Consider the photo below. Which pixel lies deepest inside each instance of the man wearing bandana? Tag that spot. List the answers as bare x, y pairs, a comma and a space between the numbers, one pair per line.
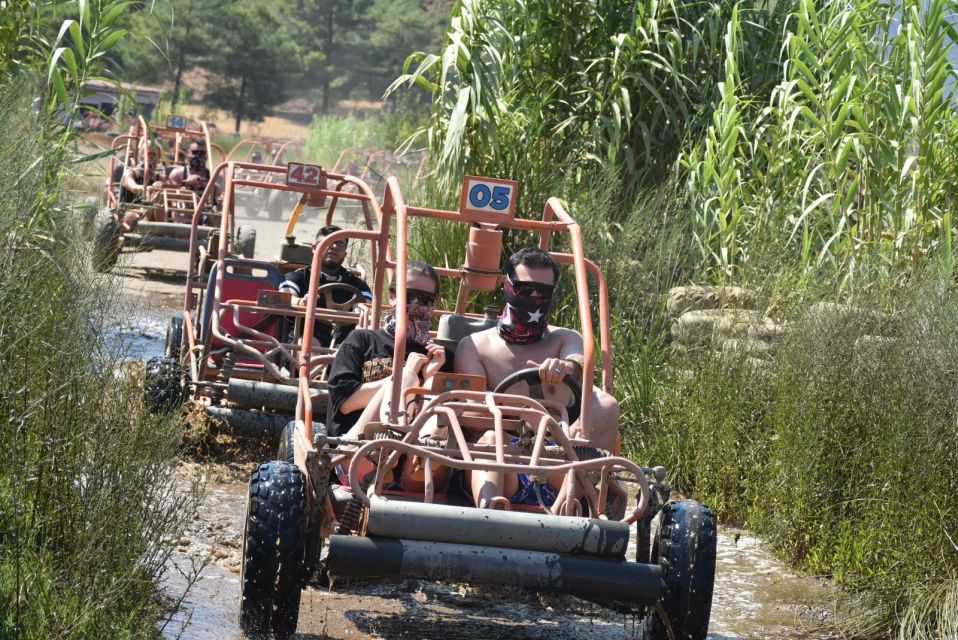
360, 376
522, 339
195, 174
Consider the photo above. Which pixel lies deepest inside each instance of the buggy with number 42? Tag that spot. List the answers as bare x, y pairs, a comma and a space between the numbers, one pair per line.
388, 504
236, 347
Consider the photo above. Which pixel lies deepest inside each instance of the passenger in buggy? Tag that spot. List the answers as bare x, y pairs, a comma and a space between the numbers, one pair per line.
361, 376
522, 339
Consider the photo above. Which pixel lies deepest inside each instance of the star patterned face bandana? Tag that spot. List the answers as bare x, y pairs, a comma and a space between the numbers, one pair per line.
417, 326
526, 314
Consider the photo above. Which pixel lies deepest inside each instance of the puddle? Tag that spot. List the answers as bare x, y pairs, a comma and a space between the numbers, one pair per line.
141, 337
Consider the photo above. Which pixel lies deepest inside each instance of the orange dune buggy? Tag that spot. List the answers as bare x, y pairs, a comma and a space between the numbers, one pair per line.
164, 221
329, 507
271, 151
236, 347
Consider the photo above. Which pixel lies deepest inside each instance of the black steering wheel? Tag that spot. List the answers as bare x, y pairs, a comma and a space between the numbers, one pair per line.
531, 377
357, 296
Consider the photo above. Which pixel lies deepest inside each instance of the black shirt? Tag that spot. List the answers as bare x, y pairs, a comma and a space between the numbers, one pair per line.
364, 356
298, 282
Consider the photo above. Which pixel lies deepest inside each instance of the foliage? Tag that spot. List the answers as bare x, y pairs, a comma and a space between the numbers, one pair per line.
254, 63
170, 37
850, 157
841, 450
89, 499
805, 149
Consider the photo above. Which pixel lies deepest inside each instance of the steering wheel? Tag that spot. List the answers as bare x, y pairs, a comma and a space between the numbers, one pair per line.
357, 296
532, 378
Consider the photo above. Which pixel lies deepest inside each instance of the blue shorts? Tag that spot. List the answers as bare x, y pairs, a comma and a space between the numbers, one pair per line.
527, 492
527, 488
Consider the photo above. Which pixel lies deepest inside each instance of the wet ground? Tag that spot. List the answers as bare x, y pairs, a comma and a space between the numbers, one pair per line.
756, 596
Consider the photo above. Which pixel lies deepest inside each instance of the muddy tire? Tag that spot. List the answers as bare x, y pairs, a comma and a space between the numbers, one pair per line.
285, 451
643, 527
174, 339
273, 551
106, 242
246, 241
162, 391
684, 547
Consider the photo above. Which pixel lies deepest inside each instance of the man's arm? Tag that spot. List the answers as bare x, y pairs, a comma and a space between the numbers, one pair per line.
129, 183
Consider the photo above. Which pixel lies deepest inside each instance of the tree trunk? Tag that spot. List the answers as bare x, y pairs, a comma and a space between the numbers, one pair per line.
239, 104
330, 16
180, 64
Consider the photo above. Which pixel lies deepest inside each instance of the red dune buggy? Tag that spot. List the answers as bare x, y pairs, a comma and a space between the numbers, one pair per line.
382, 506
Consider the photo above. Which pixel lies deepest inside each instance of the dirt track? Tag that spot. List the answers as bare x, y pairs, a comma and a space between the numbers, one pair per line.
755, 596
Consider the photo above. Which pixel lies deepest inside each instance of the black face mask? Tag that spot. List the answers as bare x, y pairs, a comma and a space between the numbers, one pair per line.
197, 163
525, 317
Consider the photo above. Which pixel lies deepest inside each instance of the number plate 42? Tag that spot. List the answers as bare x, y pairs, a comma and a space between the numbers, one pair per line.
488, 195
305, 175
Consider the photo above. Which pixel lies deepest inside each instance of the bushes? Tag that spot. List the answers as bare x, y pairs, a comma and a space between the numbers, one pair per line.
88, 494
842, 453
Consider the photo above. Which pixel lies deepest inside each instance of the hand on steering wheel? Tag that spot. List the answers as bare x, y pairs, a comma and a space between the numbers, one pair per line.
533, 378
330, 303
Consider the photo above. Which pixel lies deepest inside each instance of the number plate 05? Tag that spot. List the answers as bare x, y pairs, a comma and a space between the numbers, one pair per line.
488, 195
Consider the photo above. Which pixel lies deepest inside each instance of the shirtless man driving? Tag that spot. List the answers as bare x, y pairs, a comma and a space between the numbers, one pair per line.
524, 338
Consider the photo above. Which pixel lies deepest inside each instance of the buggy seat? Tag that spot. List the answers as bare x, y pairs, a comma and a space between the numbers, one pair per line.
242, 280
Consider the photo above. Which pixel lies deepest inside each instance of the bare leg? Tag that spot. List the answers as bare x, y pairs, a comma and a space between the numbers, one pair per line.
487, 485
378, 406
604, 425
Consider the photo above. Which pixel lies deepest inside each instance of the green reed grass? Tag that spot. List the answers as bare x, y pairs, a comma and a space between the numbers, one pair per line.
89, 500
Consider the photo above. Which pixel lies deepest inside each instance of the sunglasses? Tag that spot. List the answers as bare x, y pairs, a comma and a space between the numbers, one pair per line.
418, 296
197, 154
527, 288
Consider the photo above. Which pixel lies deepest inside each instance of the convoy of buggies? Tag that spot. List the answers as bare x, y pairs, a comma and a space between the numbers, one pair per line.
390, 502
143, 210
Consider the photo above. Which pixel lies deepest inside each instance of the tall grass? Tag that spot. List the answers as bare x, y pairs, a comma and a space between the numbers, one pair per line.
89, 501
805, 149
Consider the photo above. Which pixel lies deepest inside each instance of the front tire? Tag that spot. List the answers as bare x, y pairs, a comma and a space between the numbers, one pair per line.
106, 242
285, 450
685, 548
162, 391
174, 338
273, 551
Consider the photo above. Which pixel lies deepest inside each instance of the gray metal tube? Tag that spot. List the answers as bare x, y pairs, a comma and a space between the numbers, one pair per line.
250, 423
253, 393
598, 579
508, 529
156, 242
171, 229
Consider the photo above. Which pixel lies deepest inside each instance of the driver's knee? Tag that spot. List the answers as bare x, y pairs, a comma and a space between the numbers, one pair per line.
605, 420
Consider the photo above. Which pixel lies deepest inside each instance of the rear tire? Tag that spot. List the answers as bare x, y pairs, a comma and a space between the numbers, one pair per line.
162, 391
273, 551
106, 242
246, 241
274, 204
684, 547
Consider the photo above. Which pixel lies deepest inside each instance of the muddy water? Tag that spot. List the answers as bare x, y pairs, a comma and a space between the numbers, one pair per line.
755, 595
